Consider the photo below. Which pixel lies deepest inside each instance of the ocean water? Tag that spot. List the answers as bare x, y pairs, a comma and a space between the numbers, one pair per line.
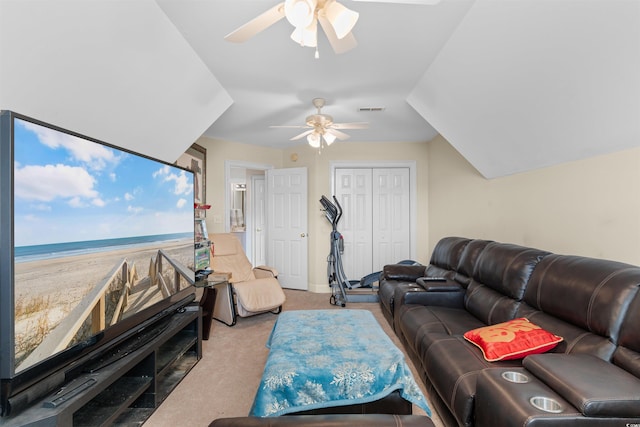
59, 250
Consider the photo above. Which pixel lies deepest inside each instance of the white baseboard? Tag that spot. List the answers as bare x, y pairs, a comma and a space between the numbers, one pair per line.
319, 288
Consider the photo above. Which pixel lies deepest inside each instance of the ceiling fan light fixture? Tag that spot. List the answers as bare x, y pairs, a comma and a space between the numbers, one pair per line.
329, 138
314, 139
342, 19
300, 13
306, 36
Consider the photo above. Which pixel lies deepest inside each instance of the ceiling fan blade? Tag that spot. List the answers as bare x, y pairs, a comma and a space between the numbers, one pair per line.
342, 45
289, 127
302, 135
337, 133
257, 24
424, 2
354, 125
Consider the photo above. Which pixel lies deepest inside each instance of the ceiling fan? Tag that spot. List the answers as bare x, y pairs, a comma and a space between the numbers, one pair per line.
321, 128
335, 19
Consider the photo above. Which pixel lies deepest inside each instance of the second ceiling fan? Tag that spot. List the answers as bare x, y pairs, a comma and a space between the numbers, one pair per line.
321, 128
336, 21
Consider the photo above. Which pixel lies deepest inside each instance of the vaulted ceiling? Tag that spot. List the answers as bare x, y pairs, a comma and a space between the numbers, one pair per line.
513, 85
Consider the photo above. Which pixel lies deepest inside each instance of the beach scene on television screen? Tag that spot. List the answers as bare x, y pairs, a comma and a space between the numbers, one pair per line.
99, 234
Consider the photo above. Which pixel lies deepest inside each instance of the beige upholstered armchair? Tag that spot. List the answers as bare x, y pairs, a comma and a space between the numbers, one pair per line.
254, 290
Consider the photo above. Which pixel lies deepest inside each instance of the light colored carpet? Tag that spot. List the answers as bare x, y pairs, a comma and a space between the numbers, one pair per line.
224, 382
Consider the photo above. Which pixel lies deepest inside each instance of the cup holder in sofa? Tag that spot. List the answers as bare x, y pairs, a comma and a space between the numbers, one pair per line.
515, 377
546, 404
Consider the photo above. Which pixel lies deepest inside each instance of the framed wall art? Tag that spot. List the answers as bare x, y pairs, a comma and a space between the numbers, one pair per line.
195, 159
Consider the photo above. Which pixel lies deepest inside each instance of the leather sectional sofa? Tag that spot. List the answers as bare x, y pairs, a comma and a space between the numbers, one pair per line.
591, 378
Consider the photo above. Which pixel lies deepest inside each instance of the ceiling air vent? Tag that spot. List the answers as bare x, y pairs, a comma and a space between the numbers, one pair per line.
371, 109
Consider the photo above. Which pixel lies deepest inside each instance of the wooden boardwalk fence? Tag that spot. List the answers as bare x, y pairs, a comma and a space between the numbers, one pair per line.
94, 306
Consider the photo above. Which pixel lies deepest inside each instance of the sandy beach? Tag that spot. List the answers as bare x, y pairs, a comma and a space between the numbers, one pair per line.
47, 290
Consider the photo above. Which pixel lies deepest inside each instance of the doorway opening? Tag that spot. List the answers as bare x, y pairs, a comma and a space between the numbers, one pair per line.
244, 212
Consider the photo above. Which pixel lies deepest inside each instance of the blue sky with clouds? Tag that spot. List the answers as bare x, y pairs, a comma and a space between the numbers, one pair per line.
70, 189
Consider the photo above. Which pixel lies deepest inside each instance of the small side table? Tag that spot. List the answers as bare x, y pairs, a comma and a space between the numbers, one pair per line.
216, 301
207, 302
224, 309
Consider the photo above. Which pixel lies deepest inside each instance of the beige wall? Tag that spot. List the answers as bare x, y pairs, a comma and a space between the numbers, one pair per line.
589, 207
319, 167
218, 152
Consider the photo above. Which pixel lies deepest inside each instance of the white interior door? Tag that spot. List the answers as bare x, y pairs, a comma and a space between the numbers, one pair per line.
353, 191
391, 201
258, 224
287, 226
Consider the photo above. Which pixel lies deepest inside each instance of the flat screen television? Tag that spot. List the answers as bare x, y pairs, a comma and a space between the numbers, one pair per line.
96, 242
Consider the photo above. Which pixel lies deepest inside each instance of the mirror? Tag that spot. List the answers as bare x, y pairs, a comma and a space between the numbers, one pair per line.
238, 203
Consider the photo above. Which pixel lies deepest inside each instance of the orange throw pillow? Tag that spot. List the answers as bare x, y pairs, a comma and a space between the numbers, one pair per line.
514, 339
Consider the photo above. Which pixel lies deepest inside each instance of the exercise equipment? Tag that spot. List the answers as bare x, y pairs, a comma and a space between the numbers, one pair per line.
344, 290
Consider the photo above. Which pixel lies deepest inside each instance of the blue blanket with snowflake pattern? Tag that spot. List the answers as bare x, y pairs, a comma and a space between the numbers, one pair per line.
327, 358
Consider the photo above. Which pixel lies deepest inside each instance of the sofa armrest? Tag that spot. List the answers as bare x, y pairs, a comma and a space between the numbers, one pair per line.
434, 284
404, 272
452, 299
597, 388
263, 271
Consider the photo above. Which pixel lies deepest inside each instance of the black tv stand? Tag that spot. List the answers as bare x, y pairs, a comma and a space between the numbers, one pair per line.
67, 393
128, 346
125, 385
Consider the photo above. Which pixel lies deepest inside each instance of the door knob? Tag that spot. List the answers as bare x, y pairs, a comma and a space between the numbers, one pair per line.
302, 235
